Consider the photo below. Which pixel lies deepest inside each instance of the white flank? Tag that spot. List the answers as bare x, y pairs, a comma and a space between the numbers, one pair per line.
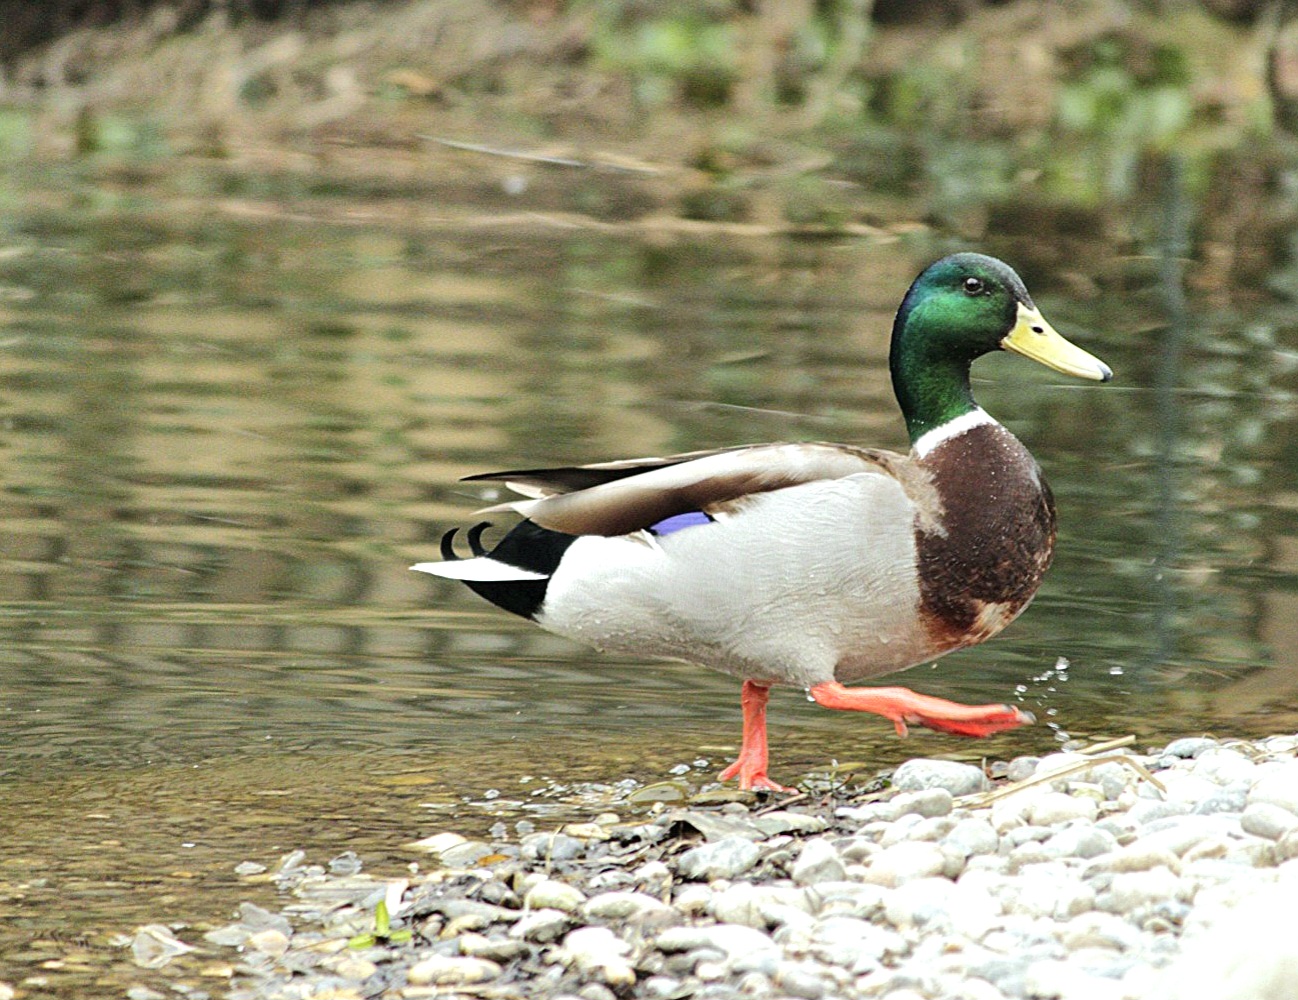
480, 569
976, 417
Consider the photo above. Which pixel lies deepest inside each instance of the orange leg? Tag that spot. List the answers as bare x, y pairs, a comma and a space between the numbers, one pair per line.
750, 765
902, 705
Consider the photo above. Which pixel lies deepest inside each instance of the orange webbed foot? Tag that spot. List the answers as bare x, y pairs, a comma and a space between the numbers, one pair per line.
904, 707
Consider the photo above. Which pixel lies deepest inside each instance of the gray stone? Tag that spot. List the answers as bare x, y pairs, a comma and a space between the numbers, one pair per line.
1277, 786
1135, 858
1021, 768
1151, 810
1025, 835
495, 949
761, 906
725, 858
852, 943
1080, 841
1181, 833
554, 895
1130, 890
797, 981
818, 861
661, 987
625, 906
918, 902
1230, 799
929, 802
450, 970
1056, 808
1100, 930
1189, 746
540, 925
598, 951
971, 835
1225, 766
729, 939
924, 773
1050, 891
781, 821
905, 861
466, 855
1264, 819
550, 847
853, 899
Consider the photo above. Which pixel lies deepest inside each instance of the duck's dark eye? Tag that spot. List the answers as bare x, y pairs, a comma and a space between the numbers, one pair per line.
974, 286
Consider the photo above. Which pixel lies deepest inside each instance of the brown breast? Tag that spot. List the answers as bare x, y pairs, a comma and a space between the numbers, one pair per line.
997, 536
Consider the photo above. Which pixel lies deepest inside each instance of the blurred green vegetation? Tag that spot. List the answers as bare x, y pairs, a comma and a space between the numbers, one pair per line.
813, 114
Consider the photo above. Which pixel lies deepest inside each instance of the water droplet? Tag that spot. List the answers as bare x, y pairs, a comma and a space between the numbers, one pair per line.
1020, 689
679, 769
1115, 671
491, 793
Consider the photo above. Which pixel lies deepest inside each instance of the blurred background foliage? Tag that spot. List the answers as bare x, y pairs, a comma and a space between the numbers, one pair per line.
1033, 116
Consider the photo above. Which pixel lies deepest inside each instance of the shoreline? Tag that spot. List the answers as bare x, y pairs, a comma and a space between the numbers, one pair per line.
1092, 875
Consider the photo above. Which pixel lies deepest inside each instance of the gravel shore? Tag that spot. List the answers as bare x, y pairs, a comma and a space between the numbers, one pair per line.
1100, 875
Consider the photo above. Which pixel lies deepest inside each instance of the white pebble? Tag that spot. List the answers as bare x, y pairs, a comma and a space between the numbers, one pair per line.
1277, 785
725, 858
1130, 890
555, 895
1262, 818
818, 861
624, 905
971, 835
902, 862
1224, 766
922, 774
447, 970
599, 951
732, 939
1056, 808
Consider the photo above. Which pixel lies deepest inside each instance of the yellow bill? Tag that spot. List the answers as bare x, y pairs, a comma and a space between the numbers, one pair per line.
1034, 338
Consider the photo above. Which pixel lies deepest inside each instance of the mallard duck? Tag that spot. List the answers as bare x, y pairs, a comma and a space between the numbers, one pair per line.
811, 565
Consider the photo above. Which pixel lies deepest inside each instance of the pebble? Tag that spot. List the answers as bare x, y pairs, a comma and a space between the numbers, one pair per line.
1055, 808
907, 860
451, 970
635, 906
271, 941
540, 925
1264, 819
598, 950
1189, 746
1277, 786
1090, 885
554, 895
725, 858
818, 861
955, 778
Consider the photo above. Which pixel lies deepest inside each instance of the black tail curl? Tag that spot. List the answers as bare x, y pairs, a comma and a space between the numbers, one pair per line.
474, 535
527, 546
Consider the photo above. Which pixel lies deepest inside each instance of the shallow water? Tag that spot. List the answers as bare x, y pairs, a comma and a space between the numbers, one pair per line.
228, 430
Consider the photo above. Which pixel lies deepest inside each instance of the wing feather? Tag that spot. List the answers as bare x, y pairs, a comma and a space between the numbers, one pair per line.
624, 497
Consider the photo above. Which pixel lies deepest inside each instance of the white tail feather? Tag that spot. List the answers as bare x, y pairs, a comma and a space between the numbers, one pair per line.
481, 569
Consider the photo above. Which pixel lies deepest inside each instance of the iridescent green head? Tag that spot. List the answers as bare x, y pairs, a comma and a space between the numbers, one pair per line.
957, 310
